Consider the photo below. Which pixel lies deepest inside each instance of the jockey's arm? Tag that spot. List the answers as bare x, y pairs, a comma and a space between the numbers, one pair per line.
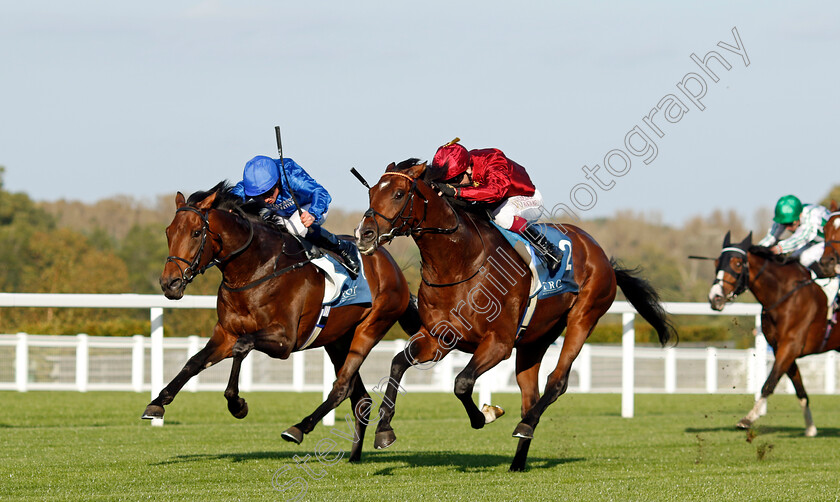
808, 230
497, 181
307, 190
772, 237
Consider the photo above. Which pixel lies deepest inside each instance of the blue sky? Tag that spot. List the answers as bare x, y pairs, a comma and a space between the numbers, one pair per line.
104, 98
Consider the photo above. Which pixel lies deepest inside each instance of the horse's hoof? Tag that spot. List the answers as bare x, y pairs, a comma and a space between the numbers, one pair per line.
152, 411
491, 412
517, 468
523, 431
384, 439
743, 424
811, 431
238, 409
293, 435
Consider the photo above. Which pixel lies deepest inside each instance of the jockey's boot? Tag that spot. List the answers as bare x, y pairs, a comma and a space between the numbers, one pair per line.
345, 249
548, 250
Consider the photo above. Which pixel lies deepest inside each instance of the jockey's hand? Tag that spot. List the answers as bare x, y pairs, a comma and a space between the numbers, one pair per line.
777, 249
307, 219
446, 189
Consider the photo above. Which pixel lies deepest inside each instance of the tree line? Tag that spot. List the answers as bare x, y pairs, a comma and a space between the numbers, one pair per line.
118, 245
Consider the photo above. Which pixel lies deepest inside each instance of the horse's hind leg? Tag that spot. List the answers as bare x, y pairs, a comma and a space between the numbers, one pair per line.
796, 378
236, 405
528, 360
218, 348
785, 358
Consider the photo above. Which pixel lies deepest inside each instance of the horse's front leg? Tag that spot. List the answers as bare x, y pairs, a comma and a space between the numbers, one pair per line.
421, 348
219, 347
236, 405
785, 357
490, 352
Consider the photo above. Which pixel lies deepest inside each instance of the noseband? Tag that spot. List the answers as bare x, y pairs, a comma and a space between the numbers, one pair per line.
193, 268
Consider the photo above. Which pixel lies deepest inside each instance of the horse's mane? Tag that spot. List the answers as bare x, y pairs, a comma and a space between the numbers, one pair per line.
227, 200
434, 173
764, 252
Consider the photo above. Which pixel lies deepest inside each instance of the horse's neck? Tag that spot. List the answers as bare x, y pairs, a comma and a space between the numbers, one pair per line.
259, 258
444, 255
769, 280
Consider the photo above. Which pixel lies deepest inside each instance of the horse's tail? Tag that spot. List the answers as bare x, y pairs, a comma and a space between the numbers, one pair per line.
645, 300
410, 320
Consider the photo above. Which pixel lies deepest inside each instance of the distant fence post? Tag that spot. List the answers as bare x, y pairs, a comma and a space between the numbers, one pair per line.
138, 360
711, 370
22, 362
670, 370
82, 354
584, 368
298, 371
156, 377
830, 372
628, 345
193, 343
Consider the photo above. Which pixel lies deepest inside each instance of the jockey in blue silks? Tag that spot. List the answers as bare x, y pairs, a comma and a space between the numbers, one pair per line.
262, 179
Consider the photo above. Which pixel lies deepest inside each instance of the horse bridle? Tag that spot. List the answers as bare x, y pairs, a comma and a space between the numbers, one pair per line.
741, 279
404, 219
831, 243
193, 268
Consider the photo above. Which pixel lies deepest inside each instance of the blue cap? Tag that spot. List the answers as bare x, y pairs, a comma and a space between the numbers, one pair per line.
261, 174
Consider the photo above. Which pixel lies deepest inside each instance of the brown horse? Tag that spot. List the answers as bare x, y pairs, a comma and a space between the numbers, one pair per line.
463, 276
830, 261
270, 300
793, 317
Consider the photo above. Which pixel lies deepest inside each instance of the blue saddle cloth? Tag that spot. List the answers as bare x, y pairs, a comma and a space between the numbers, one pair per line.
353, 291
563, 281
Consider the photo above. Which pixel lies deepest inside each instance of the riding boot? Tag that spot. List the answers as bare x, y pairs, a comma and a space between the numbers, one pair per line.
345, 249
548, 250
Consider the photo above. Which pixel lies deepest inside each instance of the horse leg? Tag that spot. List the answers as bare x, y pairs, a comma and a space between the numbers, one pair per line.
421, 348
785, 357
490, 352
527, 376
219, 347
581, 322
804, 402
236, 405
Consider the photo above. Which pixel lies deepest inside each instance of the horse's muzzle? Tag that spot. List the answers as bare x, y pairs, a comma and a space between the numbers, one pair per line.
717, 302
366, 240
172, 287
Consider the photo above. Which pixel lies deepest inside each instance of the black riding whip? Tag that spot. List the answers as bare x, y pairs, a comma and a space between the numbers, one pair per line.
359, 177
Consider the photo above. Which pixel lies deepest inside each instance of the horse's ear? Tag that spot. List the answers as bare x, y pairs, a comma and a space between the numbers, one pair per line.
416, 171
833, 207
180, 201
390, 168
207, 203
726, 241
747, 242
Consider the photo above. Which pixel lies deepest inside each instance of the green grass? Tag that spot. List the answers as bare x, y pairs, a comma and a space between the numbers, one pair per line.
71, 446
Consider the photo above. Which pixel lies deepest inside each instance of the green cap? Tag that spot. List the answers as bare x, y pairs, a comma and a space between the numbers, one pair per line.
788, 210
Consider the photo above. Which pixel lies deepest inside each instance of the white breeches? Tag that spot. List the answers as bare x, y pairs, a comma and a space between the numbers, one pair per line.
523, 206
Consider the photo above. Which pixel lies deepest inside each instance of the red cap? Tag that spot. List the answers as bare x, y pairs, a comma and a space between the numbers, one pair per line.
454, 157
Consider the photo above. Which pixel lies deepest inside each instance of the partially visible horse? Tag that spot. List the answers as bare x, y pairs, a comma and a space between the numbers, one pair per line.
270, 300
459, 299
793, 317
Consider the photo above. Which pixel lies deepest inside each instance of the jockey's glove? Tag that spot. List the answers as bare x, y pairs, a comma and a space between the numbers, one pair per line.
446, 189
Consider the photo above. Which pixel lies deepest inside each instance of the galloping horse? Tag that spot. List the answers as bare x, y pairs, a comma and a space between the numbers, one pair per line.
458, 305
793, 317
270, 300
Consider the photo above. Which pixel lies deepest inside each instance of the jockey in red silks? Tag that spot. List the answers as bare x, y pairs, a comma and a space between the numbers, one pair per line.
488, 176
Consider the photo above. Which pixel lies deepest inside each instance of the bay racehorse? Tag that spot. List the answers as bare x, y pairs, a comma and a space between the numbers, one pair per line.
793, 314
459, 299
270, 300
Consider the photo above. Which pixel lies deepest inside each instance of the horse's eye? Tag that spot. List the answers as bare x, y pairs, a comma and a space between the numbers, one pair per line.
196, 233
399, 194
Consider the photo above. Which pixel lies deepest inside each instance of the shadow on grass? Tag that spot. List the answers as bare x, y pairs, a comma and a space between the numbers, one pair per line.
460, 462
760, 430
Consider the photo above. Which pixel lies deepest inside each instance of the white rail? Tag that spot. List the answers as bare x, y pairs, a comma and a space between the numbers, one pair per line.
83, 363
